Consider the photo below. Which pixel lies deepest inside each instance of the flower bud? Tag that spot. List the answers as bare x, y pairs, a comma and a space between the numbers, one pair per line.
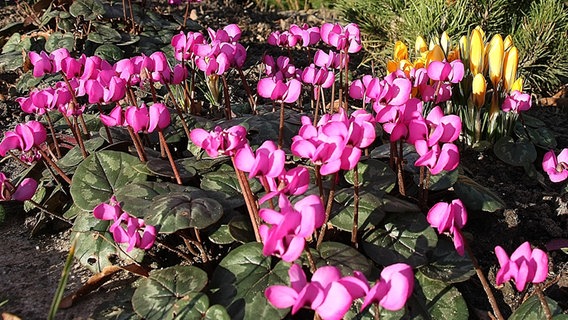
476, 52
400, 51
436, 54
510, 65
445, 42
495, 58
508, 42
517, 85
479, 87
420, 45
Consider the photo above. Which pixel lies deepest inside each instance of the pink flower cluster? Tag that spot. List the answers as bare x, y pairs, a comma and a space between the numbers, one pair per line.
525, 265
214, 57
401, 116
26, 138
330, 295
220, 141
137, 234
451, 218
141, 119
337, 140
556, 166
24, 191
290, 226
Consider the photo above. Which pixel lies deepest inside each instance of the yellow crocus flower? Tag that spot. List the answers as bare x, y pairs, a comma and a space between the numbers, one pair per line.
495, 54
453, 54
476, 49
400, 51
517, 85
481, 32
436, 54
464, 50
445, 42
510, 65
508, 42
479, 87
420, 45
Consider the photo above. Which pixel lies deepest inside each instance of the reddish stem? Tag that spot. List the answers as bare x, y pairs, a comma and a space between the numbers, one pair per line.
170, 158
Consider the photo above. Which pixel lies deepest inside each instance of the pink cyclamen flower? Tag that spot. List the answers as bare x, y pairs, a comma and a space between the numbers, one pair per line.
328, 293
446, 71
25, 191
449, 217
393, 289
268, 161
309, 35
436, 128
525, 265
290, 182
26, 138
282, 39
137, 234
556, 167
115, 117
436, 158
516, 102
184, 44
290, 226
219, 140
342, 38
277, 89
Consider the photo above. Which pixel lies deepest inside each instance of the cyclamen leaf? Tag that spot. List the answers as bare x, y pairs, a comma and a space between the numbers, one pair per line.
98, 177
532, 309
172, 293
242, 277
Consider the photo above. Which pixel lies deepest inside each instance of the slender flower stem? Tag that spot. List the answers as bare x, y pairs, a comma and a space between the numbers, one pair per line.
186, 14
80, 138
319, 181
251, 207
328, 207
377, 311
51, 214
355, 207
248, 90
311, 262
106, 127
137, 144
52, 131
281, 126
50, 162
264, 183
170, 158
318, 90
178, 110
228, 111
399, 164
543, 302
484, 282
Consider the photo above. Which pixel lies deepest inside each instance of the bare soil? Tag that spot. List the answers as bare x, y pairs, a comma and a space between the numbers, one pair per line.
536, 209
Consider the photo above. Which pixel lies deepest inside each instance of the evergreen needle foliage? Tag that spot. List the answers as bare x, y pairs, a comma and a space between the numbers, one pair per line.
539, 29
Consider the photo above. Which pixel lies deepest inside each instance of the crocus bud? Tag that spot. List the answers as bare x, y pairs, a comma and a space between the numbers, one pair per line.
400, 51
420, 45
445, 42
436, 54
476, 52
510, 65
495, 58
479, 87
517, 85
464, 50
508, 42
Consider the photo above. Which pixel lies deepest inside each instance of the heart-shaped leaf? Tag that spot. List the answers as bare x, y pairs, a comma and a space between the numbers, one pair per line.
541, 136
109, 52
441, 181
476, 197
403, 238
136, 198
240, 229
345, 257
172, 293
98, 177
89, 9
216, 312
447, 265
370, 213
60, 40
74, 156
95, 248
16, 44
434, 299
515, 153
242, 277
163, 168
225, 180
182, 210
373, 174
532, 309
